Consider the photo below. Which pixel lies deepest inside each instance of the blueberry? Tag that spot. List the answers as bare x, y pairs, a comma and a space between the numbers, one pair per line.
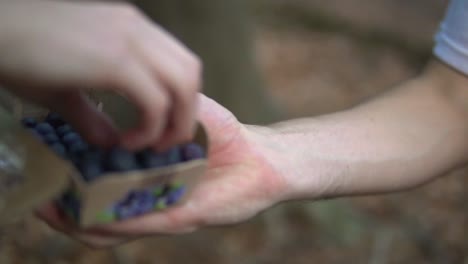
132, 196
77, 147
64, 129
192, 151
150, 159
173, 156
120, 160
129, 207
44, 128
136, 203
29, 122
146, 202
175, 195
70, 137
50, 138
54, 119
124, 212
59, 149
90, 169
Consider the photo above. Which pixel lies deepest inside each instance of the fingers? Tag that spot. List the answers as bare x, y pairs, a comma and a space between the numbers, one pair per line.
82, 114
157, 74
180, 71
162, 79
134, 81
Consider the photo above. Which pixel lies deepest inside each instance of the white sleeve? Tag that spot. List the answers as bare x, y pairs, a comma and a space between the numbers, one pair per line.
451, 41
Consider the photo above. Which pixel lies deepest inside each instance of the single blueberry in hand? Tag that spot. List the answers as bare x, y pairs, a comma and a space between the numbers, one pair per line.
192, 151
44, 128
120, 160
29, 122
150, 159
64, 129
54, 119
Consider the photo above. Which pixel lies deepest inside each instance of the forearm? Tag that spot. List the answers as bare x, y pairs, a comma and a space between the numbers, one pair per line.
399, 140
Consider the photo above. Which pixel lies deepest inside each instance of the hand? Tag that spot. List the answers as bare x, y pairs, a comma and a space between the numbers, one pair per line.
239, 183
51, 50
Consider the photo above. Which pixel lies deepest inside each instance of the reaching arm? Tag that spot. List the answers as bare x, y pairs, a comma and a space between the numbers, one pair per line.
53, 51
396, 141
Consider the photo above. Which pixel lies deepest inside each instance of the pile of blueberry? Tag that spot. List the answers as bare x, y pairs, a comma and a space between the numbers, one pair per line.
92, 161
135, 203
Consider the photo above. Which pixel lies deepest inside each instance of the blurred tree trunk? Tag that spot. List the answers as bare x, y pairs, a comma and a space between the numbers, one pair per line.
219, 32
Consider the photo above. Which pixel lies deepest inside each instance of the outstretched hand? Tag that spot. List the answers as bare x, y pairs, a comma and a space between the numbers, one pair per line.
239, 183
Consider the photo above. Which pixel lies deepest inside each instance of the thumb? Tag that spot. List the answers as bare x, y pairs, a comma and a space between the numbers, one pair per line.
214, 116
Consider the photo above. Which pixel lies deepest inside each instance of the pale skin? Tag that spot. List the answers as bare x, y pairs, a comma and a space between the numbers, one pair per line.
399, 140
67, 47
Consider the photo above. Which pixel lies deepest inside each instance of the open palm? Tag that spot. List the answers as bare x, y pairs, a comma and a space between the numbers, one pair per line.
239, 183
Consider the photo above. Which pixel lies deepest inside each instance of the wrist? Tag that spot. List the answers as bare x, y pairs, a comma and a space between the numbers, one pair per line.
287, 159
275, 158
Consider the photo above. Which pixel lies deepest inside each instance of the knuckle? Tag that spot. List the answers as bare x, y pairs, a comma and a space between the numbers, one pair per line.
116, 58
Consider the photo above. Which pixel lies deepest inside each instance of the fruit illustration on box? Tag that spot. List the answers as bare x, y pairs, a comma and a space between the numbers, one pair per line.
94, 164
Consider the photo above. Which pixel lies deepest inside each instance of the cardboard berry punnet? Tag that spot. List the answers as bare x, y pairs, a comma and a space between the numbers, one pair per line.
32, 174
